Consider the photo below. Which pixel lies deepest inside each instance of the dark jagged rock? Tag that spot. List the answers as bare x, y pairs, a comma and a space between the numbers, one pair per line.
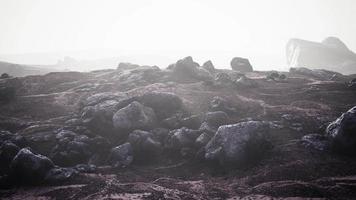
86, 168
238, 143
134, 116
145, 145
241, 64
342, 132
27, 167
121, 156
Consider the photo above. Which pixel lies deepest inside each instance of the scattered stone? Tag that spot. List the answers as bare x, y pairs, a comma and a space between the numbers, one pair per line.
221, 104
216, 118
241, 64
59, 175
275, 76
132, 117
86, 168
316, 141
181, 138
145, 145
98, 118
352, 84
121, 156
192, 122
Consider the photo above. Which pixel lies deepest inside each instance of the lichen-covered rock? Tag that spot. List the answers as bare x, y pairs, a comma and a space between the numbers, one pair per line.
241, 64
134, 116
342, 132
238, 143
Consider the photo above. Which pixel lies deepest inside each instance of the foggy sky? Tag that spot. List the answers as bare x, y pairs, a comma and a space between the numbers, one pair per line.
204, 29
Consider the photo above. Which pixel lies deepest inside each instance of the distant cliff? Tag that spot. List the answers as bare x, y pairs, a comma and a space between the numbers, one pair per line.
330, 54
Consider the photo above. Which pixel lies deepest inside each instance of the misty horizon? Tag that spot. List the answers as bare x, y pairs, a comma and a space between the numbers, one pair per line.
159, 33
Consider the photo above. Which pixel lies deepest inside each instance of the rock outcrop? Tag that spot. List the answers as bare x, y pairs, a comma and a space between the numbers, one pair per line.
331, 54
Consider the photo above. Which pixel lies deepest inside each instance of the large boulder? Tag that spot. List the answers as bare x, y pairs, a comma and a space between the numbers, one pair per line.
241, 64
121, 156
163, 103
238, 143
98, 118
186, 70
342, 132
27, 167
134, 116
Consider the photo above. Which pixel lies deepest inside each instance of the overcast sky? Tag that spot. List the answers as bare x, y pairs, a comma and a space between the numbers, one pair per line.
204, 29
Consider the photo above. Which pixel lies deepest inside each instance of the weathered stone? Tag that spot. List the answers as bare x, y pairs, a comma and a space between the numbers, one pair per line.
238, 143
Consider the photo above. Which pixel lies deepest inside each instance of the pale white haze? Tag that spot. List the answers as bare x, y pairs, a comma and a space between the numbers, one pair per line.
158, 32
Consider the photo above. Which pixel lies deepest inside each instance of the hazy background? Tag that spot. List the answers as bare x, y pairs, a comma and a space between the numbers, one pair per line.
158, 32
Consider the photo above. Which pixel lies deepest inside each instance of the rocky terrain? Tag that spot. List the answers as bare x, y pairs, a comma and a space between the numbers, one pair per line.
331, 54
190, 131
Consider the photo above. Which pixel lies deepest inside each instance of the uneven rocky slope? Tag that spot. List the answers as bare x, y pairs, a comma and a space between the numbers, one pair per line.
186, 132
